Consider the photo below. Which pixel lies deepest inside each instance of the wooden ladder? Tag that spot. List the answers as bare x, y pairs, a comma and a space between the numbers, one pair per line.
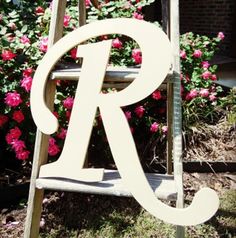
169, 186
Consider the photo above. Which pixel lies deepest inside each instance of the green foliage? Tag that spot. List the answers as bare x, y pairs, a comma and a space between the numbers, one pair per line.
199, 92
23, 42
228, 103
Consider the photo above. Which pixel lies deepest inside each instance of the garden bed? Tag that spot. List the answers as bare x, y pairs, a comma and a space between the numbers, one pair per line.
212, 142
14, 180
210, 150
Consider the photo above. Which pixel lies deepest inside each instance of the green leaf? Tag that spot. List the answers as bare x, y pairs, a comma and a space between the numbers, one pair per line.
13, 14
18, 33
111, 9
3, 30
24, 29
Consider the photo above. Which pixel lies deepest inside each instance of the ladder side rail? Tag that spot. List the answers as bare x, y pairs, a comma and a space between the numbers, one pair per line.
41, 144
165, 4
177, 109
82, 13
166, 28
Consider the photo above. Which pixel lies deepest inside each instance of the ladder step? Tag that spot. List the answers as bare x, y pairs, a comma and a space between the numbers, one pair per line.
118, 77
163, 186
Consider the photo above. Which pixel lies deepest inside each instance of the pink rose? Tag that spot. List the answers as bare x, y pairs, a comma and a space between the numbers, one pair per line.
62, 134
9, 138
24, 39
188, 97
213, 77
3, 120
66, 20
56, 114
7, 55
10, 38
68, 103
26, 83
53, 149
206, 74
14, 134
27, 72
164, 129
12, 25
128, 115
22, 155
139, 8
137, 56
43, 45
68, 114
116, 43
156, 95
205, 64
221, 36
212, 97
52, 141
181, 89
204, 92
103, 37
87, 3
131, 130
18, 116
192, 94
18, 145
39, 10
183, 54
13, 99
137, 16
139, 111
154, 127
73, 53
197, 53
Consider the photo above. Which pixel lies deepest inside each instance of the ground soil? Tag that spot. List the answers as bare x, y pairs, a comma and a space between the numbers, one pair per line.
56, 205
214, 143
211, 142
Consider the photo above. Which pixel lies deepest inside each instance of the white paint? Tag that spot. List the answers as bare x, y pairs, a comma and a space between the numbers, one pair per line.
156, 53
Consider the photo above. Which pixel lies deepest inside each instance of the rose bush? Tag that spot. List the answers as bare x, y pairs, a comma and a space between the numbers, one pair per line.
199, 91
23, 42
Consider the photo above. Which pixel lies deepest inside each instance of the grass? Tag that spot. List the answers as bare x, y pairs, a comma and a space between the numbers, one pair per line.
109, 217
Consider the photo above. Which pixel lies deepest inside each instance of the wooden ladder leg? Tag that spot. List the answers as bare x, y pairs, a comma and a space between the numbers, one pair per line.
169, 167
41, 144
166, 28
35, 195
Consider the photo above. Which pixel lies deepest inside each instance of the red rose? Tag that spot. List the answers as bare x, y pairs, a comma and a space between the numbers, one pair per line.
39, 10
7, 55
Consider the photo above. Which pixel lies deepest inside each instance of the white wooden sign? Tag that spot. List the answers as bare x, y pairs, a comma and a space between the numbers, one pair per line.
156, 63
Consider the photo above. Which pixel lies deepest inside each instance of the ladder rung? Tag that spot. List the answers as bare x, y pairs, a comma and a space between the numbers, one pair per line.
163, 185
118, 77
